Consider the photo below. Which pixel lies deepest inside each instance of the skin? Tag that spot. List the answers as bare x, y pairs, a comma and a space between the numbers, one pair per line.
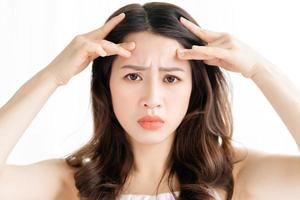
150, 92
259, 176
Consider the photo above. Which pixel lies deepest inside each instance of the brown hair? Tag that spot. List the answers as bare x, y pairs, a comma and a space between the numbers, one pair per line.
201, 155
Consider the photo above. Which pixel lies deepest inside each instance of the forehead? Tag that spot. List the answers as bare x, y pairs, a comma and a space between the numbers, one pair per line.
152, 50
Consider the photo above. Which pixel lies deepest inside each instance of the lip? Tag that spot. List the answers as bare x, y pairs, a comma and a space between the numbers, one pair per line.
151, 122
149, 118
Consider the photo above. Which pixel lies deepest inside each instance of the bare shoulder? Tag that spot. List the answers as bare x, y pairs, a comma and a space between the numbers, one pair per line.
240, 157
268, 176
68, 190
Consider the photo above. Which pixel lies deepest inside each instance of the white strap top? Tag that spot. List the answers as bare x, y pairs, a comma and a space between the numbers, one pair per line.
161, 196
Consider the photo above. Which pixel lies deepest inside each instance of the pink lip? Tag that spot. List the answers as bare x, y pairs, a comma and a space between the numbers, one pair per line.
151, 122
149, 118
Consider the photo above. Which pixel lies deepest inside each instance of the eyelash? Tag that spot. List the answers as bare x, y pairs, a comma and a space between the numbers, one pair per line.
128, 75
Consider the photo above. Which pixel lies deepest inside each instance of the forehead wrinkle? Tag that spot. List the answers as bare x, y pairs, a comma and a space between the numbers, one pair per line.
142, 68
146, 53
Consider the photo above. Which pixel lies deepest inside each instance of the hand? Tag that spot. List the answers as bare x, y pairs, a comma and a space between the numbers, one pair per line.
86, 47
222, 50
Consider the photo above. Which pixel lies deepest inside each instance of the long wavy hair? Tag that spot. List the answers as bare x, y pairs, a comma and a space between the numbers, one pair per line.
202, 156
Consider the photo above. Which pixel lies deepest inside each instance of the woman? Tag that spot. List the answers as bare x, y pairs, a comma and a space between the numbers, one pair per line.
162, 117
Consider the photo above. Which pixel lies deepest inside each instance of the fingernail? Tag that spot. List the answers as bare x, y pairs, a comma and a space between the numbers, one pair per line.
121, 15
183, 19
103, 54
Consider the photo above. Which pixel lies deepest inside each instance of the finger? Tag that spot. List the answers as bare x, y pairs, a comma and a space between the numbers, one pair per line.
217, 42
205, 35
189, 54
103, 31
213, 62
128, 45
112, 48
221, 42
101, 51
95, 50
219, 63
217, 52
203, 52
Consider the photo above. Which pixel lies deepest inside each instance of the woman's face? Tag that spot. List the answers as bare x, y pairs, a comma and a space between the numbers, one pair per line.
150, 91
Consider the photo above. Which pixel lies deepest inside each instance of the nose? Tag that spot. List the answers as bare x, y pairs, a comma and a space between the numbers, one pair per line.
152, 99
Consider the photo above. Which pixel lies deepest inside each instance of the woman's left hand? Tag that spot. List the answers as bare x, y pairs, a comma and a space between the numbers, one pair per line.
222, 50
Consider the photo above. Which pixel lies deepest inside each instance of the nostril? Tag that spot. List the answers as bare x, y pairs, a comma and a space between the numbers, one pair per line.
146, 105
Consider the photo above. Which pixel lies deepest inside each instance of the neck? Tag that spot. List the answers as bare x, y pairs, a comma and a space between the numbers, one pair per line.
150, 168
150, 160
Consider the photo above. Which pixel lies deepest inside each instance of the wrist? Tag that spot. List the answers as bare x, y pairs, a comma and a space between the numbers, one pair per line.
257, 68
48, 74
261, 70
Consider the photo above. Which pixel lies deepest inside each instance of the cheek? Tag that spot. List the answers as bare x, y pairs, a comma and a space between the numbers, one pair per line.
179, 96
178, 103
124, 105
123, 98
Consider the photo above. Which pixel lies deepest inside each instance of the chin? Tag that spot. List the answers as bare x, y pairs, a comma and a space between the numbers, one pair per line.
149, 138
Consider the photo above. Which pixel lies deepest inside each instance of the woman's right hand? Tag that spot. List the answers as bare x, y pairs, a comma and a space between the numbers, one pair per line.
86, 47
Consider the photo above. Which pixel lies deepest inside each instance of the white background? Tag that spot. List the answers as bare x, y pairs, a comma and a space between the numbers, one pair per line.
34, 32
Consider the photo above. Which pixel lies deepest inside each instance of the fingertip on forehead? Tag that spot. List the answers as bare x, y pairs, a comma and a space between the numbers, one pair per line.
152, 46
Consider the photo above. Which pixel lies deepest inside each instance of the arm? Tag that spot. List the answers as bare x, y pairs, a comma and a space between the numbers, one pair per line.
283, 95
271, 176
21, 110
48, 179
29, 99
262, 175
226, 51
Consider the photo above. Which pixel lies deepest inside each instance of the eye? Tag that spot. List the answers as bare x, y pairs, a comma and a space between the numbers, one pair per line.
169, 79
172, 78
131, 76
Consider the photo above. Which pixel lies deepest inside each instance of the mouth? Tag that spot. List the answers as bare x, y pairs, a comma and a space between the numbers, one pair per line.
151, 122
151, 125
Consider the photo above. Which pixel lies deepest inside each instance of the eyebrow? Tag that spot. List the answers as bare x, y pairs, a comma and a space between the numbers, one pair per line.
141, 68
